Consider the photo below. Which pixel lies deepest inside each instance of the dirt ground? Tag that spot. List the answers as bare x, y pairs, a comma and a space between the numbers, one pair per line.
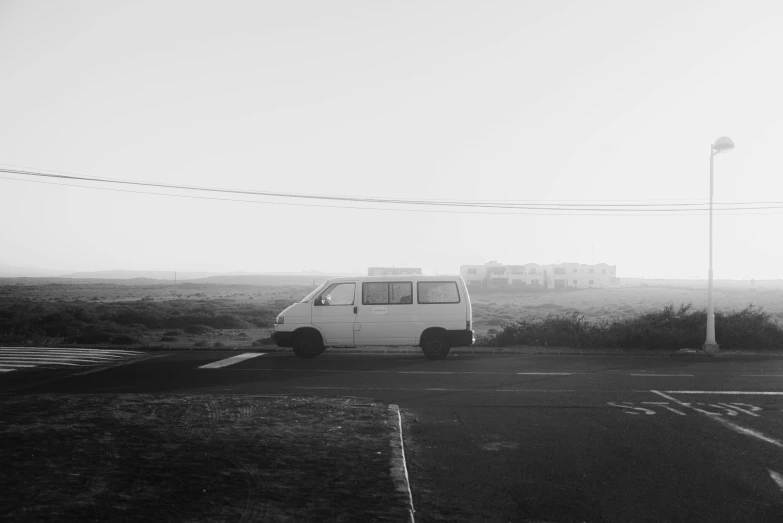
196, 458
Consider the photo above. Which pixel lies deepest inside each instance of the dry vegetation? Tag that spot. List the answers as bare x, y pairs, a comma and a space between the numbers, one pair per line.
161, 316
140, 457
191, 315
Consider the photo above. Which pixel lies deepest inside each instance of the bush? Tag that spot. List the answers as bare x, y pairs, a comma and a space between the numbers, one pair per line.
94, 337
168, 338
124, 339
198, 329
667, 329
263, 341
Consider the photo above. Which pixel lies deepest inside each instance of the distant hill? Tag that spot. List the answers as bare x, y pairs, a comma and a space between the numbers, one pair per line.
152, 275
191, 276
14, 271
701, 283
265, 279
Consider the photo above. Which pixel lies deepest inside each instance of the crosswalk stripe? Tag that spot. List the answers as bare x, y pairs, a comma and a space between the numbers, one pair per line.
55, 349
49, 357
63, 355
43, 362
14, 358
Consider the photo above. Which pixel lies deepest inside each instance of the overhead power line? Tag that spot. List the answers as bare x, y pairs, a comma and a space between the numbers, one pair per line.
560, 209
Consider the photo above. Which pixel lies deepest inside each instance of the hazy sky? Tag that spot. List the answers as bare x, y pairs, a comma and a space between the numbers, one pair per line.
547, 100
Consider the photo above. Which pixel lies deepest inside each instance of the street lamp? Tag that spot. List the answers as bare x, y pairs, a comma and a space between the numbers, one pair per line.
722, 144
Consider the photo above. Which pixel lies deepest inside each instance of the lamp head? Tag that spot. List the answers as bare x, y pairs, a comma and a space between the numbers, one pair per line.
722, 144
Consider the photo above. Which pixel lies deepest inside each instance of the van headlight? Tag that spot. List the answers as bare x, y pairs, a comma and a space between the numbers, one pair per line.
280, 320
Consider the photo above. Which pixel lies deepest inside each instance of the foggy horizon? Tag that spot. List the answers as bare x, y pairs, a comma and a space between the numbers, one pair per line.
503, 112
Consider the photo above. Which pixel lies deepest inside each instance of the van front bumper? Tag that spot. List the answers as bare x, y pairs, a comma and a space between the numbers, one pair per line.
461, 338
282, 338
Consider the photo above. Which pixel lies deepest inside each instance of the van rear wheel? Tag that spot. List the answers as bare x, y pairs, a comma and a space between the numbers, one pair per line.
308, 345
435, 347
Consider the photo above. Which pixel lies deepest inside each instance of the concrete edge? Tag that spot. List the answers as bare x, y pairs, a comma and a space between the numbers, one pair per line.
399, 467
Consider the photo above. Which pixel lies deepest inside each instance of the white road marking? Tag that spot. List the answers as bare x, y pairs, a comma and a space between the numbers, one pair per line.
735, 407
545, 373
663, 375
232, 360
723, 421
728, 392
120, 364
629, 405
7, 370
399, 467
777, 478
665, 406
61, 355
15, 365
53, 357
39, 362
108, 351
762, 375
422, 372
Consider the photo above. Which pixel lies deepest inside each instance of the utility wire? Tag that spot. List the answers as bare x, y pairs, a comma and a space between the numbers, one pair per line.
605, 208
565, 213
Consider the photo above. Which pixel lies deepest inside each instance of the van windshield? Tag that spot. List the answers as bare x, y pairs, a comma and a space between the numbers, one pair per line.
314, 292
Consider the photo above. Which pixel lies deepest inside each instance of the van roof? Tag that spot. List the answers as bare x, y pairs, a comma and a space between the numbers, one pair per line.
399, 277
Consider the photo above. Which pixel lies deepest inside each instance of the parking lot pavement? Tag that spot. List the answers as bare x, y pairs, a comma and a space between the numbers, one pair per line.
539, 438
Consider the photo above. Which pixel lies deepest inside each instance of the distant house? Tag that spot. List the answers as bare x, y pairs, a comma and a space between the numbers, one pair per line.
392, 271
552, 276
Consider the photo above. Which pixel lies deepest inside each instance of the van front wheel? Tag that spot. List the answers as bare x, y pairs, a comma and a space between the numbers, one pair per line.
436, 347
308, 345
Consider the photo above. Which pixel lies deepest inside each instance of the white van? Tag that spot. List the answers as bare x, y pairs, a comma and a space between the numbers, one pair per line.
431, 312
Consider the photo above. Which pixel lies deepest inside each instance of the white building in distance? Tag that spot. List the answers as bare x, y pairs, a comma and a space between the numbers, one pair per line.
392, 271
552, 276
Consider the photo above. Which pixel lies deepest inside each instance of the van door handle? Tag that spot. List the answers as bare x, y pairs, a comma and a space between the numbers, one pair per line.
355, 308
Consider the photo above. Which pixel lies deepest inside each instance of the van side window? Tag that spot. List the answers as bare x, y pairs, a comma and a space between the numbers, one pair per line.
401, 292
387, 293
438, 292
337, 294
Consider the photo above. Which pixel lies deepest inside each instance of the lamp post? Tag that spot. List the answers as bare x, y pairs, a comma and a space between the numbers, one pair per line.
722, 144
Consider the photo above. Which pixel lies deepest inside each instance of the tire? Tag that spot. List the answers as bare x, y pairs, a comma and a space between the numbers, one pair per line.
435, 347
308, 345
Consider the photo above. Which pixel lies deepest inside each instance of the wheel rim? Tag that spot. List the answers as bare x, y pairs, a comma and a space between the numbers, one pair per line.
436, 347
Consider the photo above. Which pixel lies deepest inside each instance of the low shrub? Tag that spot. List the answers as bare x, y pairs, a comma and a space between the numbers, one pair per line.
94, 337
667, 329
198, 329
124, 339
168, 338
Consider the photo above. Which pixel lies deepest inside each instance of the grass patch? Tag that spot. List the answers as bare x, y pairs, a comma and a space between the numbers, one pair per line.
88, 322
668, 329
186, 458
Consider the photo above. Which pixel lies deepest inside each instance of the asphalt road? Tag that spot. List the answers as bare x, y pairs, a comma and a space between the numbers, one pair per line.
529, 438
